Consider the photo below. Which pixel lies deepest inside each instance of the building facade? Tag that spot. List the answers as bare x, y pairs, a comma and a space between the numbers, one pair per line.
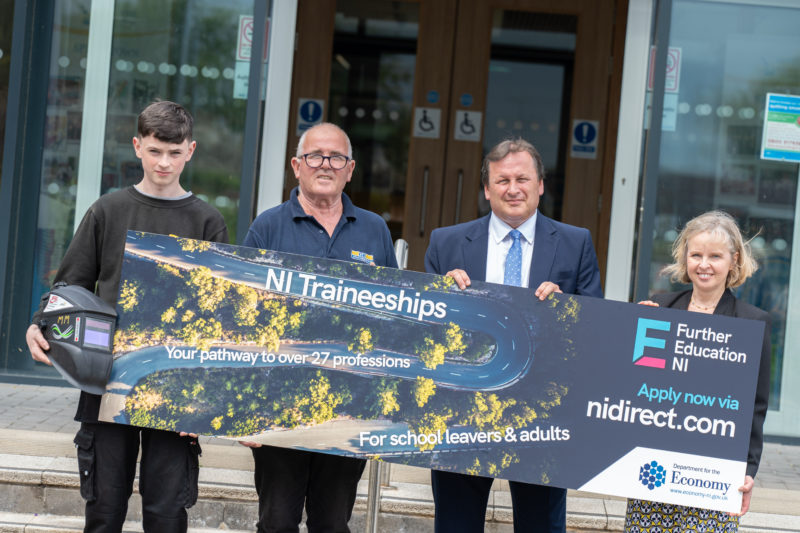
646, 112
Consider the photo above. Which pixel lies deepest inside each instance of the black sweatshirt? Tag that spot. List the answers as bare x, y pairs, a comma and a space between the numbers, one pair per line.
94, 257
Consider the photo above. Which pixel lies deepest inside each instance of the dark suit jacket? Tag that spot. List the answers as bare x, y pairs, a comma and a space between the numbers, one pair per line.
562, 254
729, 305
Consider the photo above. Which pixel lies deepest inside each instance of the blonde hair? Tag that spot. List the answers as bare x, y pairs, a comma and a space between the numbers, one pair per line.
718, 224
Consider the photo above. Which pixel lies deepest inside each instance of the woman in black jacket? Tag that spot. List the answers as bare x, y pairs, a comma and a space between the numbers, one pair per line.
711, 254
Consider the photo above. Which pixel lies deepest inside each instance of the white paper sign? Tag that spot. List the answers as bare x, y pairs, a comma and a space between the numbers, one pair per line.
467, 126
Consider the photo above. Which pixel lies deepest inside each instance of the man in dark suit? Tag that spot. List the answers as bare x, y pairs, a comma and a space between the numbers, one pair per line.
513, 245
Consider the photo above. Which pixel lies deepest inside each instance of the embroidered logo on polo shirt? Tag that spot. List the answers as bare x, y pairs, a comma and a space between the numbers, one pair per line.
362, 257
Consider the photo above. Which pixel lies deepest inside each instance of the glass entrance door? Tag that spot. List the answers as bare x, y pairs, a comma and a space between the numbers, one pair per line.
424, 88
371, 98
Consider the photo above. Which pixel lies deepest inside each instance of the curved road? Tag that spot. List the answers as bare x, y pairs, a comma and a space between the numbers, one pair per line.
511, 362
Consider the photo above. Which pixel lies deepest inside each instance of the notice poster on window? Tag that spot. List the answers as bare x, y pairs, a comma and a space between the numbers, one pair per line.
780, 140
374, 362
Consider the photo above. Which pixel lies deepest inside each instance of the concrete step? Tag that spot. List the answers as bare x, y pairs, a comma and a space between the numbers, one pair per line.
39, 492
46, 523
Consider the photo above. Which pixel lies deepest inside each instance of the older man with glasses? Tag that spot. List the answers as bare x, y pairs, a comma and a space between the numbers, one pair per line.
317, 220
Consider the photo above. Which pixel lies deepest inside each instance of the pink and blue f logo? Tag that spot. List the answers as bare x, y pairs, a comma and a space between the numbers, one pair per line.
643, 341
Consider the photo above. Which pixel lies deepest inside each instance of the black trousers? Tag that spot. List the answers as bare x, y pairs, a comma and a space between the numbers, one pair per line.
167, 476
286, 479
460, 502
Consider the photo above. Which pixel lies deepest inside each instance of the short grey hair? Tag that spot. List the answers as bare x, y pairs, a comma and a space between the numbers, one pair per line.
301, 143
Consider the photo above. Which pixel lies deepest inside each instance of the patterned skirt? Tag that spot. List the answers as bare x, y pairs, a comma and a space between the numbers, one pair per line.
643, 516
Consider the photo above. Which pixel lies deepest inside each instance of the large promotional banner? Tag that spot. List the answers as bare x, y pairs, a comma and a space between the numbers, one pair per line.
352, 359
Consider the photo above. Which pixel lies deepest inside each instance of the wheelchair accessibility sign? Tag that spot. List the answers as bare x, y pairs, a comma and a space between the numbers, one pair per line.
584, 139
427, 122
467, 126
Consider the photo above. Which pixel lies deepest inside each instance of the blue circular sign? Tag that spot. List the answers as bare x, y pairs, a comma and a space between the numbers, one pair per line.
433, 96
466, 99
585, 132
310, 111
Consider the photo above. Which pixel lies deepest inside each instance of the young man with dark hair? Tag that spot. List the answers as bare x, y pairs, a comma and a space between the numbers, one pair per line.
107, 452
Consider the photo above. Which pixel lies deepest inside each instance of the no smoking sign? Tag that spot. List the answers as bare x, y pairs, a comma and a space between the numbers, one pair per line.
244, 41
672, 79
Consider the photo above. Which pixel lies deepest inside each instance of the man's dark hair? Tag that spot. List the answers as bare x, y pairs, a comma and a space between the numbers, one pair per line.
166, 121
502, 149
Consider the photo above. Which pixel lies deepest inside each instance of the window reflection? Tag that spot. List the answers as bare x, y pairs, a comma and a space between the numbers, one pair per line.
6, 24
730, 57
185, 52
61, 148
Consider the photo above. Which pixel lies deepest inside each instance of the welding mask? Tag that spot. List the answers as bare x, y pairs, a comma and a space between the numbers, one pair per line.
79, 326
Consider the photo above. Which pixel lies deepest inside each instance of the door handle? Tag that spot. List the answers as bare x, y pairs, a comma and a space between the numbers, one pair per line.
459, 188
424, 207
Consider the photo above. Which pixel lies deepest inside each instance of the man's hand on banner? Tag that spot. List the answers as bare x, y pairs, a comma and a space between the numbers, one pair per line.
546, 289
461, 277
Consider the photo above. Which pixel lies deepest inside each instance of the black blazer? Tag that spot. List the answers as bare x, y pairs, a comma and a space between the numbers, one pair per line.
729, 305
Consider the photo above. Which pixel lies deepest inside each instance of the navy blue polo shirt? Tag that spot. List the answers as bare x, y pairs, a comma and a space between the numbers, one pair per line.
360, 236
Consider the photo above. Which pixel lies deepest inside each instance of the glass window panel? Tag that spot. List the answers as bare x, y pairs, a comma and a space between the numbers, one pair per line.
6, 25
184, 51
371, 96
531, 61
731, 55
61, 146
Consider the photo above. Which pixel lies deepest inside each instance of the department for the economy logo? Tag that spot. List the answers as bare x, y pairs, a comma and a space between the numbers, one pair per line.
652, 475
643, 341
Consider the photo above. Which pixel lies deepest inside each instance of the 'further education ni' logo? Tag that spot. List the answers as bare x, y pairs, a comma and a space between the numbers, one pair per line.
652, 475
643, 341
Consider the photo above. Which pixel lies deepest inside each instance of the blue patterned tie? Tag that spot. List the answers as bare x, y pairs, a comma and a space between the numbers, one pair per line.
513, 270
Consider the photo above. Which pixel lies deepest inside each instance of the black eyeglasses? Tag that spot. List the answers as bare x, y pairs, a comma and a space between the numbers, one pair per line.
337, 162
